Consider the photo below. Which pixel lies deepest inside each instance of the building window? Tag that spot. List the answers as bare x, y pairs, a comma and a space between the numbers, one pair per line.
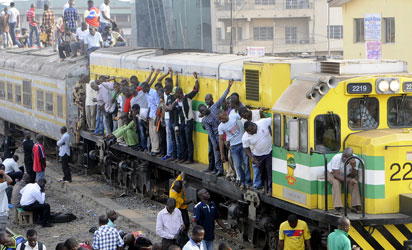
359, 28
335, 32
239, 33
219, 34
297, 4
291, 35
263, 33
265, 2
389, 29
18, 94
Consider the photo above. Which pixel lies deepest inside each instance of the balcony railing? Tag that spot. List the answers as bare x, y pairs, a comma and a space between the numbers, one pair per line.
238, 5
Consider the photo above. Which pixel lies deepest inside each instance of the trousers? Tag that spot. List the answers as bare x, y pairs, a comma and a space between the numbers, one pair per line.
67, 175
336, 191
91, 116
154, 136
40, 210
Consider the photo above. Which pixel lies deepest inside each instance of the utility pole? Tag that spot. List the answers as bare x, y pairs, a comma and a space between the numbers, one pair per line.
329, 31
231, 27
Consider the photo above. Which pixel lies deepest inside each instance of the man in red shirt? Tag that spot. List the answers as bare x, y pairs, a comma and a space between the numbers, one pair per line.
39, 158
31, 19
92, 15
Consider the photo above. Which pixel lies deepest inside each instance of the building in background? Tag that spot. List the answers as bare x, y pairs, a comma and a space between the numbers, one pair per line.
281, 27
172, 24
120, 10
376, 31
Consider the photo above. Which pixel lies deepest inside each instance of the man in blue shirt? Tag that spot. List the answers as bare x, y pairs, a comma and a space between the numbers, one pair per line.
205, 215
70, 17
64, 154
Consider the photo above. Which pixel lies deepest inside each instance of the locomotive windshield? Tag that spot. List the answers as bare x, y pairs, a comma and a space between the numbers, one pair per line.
327, 133
400, 111
363, 113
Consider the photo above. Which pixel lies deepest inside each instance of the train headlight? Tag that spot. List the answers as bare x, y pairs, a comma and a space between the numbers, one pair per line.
383, 86
394, 85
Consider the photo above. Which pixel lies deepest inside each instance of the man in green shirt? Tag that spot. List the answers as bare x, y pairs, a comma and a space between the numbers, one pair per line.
339, 240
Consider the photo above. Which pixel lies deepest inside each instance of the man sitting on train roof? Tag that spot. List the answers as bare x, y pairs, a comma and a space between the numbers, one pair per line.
336, 168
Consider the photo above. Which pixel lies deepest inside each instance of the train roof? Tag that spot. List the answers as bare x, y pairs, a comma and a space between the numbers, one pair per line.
44, 62
221, 66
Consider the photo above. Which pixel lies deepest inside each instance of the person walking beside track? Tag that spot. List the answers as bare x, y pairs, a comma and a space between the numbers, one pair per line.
64, 154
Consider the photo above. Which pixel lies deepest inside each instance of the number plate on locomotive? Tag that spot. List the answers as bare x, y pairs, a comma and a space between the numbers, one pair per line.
359, 88
407, 87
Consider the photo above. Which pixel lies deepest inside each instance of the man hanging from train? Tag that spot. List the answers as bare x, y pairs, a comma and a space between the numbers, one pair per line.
211, 123
336, 168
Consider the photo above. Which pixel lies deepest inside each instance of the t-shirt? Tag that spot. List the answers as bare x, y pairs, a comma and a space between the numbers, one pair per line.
93, 41
106, 9
261, 142
233, 129
81, 34
205, 215
13, 14
338, 240
4, 202
92, 17
294, 238
127, 106
337, 164
10, 165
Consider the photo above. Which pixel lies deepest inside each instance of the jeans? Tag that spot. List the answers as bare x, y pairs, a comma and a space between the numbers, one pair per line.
12, 27
209, 244
241, 163
99, 122
120, 44
211, 155
35, 31
143, 134
171, 140
64, 50
265, 166
214, 139
108, 122
185, 140
103, 26
6, 40
40, 175
67, 175
257, 177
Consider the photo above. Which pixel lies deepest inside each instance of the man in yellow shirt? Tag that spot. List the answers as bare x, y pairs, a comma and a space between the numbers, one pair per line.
294, 234
177, 192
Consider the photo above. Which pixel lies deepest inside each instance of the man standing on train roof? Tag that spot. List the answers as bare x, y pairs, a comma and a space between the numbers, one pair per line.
39, 158
211, 123
209, 102
64, 154
336, 168
105, 19
294, 234
257, 142
338, 239
92, 15
71, 17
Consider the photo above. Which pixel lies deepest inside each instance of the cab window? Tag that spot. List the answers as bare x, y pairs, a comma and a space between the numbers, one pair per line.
400, 111
296, 134
363, 113
277, 133
327, 133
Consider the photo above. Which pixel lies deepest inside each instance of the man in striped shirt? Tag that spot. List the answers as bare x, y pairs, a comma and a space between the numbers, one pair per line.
71, 17
48, 24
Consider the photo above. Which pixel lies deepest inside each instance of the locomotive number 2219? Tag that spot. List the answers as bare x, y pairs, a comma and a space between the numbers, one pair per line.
397, 175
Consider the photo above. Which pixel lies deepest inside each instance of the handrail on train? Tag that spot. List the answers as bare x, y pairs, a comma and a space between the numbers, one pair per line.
326, 175
346, 185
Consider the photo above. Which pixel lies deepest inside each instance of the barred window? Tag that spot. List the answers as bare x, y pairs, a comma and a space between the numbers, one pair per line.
359, 28
291, 35
335, 32
10, 91
27, 94
263, 33
49, 103
265, 2
18, 97
389, 29
40, 100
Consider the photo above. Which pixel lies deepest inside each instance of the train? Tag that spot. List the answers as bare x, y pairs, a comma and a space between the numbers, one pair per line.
318, 108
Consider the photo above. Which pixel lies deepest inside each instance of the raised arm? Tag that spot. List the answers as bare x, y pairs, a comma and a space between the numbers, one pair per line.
223, 97
177, 79
163, 76
150, 75
195, 88
154, 78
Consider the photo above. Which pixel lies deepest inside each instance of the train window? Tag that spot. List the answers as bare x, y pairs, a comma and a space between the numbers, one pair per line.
2, 90
400, 111
49, 103
277, 135
327, 133
27, 94
18, 94
40, 100
363, 113
10, 91
60, 106
303, 135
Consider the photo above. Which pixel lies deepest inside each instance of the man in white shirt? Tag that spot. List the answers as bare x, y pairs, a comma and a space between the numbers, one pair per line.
64, 154
336, 168
169, 222
5, 180
91, 103
81, 33
31, 243
93, 41
33, 199
12, 168
14, 21
105, 19
105, 96
257, 142
196, 241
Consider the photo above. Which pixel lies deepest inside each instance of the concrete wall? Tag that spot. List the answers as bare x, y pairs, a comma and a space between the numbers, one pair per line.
400, 9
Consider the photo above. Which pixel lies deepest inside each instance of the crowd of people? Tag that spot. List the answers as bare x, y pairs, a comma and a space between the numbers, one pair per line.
161, 121
70, 34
